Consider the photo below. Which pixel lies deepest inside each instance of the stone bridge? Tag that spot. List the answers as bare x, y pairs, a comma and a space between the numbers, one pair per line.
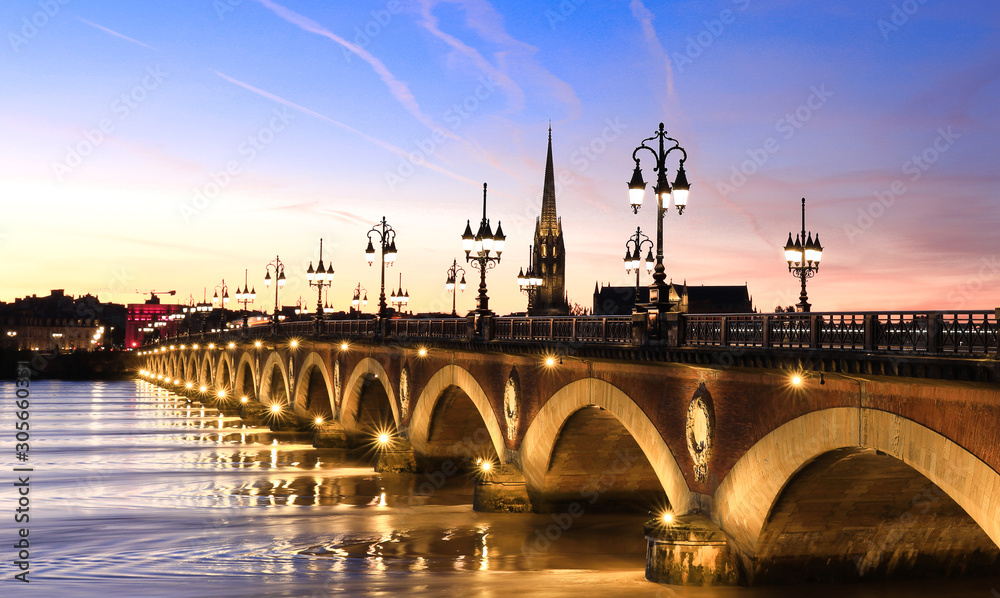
762, 464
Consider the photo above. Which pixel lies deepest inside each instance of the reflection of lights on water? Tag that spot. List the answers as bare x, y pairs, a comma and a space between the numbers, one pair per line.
484, 562
381, 500
419, 564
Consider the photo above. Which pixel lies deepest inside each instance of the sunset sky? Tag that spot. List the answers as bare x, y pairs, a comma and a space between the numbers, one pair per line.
171, 145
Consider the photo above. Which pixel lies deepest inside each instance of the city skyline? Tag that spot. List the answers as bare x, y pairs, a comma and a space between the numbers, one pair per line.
171, 147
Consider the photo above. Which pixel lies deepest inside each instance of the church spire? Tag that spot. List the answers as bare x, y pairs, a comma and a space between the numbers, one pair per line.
549, 219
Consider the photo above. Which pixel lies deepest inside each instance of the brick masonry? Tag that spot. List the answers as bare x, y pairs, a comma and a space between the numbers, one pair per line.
765, 429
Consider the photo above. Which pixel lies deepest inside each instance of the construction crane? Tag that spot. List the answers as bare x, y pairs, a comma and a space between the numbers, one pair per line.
153, 299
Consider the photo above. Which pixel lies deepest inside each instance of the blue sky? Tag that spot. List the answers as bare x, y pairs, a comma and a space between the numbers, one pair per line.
119, 121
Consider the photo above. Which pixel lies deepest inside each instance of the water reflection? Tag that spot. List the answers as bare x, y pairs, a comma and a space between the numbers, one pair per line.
158, 497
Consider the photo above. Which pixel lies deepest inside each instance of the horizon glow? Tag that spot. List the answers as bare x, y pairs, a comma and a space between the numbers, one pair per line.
174, 146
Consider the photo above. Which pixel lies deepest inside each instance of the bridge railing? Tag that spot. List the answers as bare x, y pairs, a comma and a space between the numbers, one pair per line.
588, 329
303, 327
451, 328
348, 327
968, 332
972, 333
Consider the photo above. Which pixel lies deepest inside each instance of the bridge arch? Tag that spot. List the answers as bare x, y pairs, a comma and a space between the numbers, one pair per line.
452, 378
368, 371
314, 387
224, 378
246, 377
747, 497
206, 373
274, 389
191, 370
539, 441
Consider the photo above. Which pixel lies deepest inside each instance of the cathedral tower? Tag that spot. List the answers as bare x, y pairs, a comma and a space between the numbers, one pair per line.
549, 258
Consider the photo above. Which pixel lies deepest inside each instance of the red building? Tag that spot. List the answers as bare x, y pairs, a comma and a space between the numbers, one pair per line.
150, 319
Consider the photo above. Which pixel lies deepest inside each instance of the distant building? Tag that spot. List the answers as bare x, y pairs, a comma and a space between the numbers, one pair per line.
610, 300
60, 322
151, 320
549, 251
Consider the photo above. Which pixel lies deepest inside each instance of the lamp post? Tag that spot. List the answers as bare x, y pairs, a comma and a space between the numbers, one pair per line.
327, 308
803, 257
320, 277
245, 298
357, 299
679, 192
482, 244
301, 307
529, 282
279, 281
633, 253
400, 298
387, 241
450, 283
225, 295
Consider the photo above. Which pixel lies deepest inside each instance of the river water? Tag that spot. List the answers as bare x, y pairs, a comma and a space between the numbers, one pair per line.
135, 492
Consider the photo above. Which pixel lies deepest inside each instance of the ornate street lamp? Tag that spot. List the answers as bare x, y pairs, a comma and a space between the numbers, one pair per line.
484, 242
321, 277
529, 282
357, 299
400, 298
664, 192
450, 283
245, 297
279, 277
225, 294
803, 257
387, 241
633, 253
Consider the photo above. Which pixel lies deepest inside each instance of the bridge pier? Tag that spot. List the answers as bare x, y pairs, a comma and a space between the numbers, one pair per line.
501, 490
690, 550
254, 414
330, 435
398, 458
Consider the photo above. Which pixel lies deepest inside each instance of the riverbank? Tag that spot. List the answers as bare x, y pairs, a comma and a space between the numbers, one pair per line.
80, 365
